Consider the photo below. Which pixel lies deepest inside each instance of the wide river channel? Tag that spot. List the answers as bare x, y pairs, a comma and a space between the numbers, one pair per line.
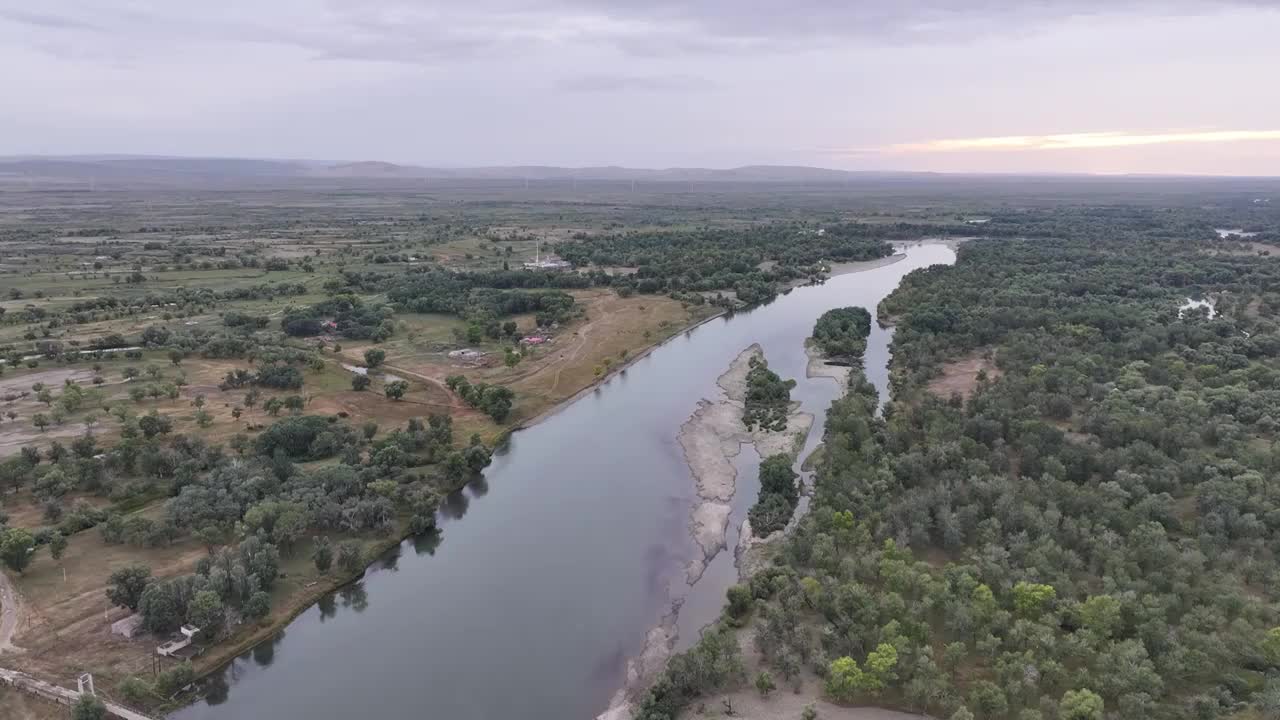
548, 572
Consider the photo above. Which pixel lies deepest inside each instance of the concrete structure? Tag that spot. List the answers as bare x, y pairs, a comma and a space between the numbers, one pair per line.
188, 634
127, 627
60, 695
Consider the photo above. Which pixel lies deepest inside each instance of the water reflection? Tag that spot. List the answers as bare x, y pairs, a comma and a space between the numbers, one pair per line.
426, 544
217, 689
354, 596
390, 560
455, 505
265, 653
328, 607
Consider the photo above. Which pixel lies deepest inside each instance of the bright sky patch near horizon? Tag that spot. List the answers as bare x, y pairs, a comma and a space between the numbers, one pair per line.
1174, 86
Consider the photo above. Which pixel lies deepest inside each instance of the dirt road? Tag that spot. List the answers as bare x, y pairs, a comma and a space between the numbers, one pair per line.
10, 611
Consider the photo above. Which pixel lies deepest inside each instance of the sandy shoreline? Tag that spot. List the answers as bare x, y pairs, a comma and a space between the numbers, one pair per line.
711, 438
848, 268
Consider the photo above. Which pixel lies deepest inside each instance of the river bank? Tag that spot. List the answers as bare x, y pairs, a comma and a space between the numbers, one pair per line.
712, 437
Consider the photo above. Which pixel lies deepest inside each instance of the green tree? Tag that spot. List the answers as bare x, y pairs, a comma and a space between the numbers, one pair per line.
351, 556
258, 606
1031, 599
1102, 615
880, 667
17, 546
396, 390
764, 683
360, 382
57, 545
322, 554
40, 420
126, 585
1083, 704
844, 679
153, 424
373, 357
205, 611
88, 707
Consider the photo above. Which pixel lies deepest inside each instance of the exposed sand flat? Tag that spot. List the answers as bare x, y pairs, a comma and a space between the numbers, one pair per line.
845, 268
818, 367
712, 437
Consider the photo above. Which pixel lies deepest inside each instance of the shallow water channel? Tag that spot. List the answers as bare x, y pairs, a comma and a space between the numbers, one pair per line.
548, 572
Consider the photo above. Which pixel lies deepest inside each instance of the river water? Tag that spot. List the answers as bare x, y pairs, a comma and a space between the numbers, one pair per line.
548, 572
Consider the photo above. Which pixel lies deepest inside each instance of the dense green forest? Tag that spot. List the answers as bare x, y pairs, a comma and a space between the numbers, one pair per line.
1091, 532
768, 397
841, 333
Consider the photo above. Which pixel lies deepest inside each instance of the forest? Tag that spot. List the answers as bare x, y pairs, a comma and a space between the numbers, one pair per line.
1089, 532
841, 334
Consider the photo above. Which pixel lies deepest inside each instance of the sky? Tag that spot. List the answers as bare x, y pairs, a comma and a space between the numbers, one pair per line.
1103, 86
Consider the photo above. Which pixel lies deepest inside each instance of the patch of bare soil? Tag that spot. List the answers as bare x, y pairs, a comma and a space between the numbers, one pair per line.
18, 705
961, 376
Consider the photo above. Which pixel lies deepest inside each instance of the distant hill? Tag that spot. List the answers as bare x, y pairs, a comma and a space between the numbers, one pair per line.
161, 169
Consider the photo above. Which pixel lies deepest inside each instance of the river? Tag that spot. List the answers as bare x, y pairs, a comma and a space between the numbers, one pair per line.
548, 572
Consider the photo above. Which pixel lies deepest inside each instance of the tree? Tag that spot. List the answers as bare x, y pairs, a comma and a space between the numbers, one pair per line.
127, 584
258, 606
351, 556
175, 678
1102, 615
322, 554
396, 390
16, 549
880, 667
373, 357
57, 546
764, 683
360, 382
273, 406
153, 424
1083, 704
844, 679
40, 420
1030, 599
205, 611
176, 357
88, 707
740, 600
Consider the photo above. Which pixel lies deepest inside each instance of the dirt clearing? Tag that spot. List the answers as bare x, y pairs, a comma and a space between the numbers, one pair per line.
961, 376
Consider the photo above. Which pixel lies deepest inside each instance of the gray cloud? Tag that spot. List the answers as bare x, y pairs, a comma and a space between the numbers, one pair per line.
608, 83
420, 31
46, 21
642, 82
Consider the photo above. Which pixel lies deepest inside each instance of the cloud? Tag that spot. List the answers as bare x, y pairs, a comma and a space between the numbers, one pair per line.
607, 83
428, 32
45, 21
1067, 141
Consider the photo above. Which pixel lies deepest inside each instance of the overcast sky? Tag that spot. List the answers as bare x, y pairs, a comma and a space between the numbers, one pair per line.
955, 85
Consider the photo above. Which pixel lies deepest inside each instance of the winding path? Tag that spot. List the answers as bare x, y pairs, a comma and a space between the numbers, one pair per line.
10, 611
